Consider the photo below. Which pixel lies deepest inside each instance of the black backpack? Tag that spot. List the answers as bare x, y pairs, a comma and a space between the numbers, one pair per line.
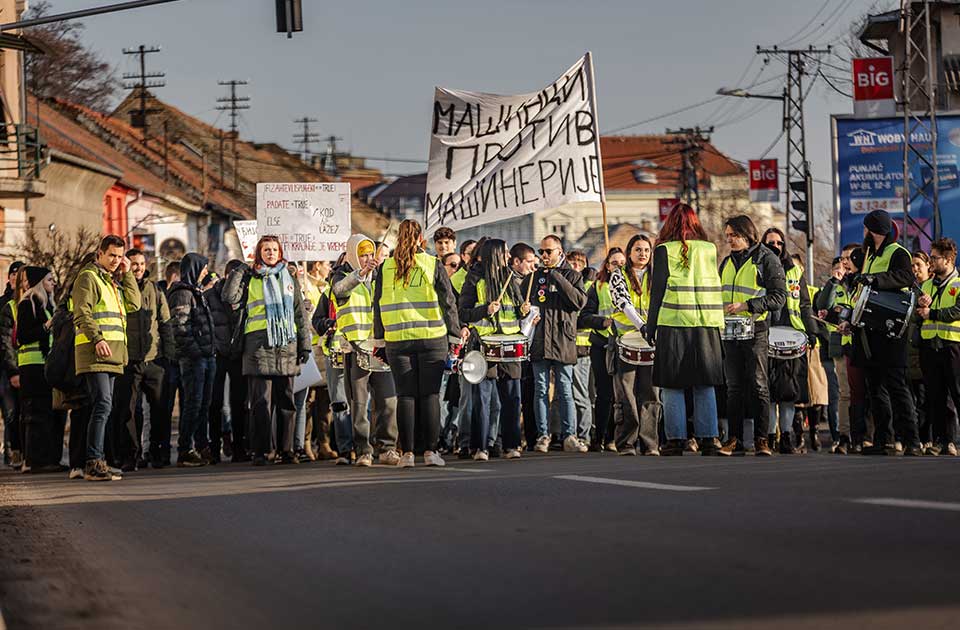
60, 366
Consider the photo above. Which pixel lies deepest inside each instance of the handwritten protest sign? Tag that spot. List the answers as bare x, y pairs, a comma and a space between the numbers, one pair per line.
311, 219
247, 234
494, 157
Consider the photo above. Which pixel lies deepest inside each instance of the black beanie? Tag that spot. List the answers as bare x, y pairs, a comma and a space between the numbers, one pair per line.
878, 222
14, 267
35, 275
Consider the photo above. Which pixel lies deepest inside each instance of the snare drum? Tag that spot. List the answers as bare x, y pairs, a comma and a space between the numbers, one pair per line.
737, 329
505, 348
366, 360
884, 311
785, 343
632, 348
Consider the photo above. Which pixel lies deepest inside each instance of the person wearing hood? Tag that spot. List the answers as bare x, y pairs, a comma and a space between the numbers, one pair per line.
352, 285
43, 429
276, 342
887, 266
788, 378
194, 337
12, 447
753, 285
149, 344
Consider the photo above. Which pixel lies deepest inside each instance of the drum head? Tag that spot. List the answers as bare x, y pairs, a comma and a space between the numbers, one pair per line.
503, 338
634, 339
786, 336
366, 345
862, 298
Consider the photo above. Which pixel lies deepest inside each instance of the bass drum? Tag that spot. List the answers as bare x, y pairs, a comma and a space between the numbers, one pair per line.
886, 312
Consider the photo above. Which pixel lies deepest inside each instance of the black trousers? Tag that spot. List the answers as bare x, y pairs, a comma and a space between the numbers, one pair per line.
417, 368
160, 426
139, 377
526, 405
891, 403
941, 372
748, 394
603, 406
42, 428
238, 405
269, 398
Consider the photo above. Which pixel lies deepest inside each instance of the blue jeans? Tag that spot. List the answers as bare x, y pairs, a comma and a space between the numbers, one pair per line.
100, 389
563, 393
300, 428
581, 397
704, 412
786, 409
470, 405
506, 392
340, 410
197, 376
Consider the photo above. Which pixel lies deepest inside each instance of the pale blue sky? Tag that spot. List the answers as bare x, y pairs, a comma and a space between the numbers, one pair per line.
366, 68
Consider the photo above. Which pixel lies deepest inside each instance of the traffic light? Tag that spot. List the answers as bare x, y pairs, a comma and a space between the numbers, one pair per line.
289, 17
802, 206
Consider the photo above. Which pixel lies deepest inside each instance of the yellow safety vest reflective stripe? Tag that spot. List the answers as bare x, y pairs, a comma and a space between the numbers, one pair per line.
640, 302
693, 297
30, 353
583, 334
740, 285
947, 298
109, 312
355, 318
793, 297
458, 278
509, 324
411, 311
256, 306
606, 309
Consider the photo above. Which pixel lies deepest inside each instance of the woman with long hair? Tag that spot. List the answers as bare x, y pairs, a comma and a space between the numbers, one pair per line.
600, 322
415, 324
43, 432
495, 307
637, 403
276, 342
685, 320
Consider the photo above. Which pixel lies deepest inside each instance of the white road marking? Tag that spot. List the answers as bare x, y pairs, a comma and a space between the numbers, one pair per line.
910, 503
634, 484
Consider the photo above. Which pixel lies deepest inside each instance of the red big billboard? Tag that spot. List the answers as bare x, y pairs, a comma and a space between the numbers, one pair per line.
764, 181
873, 87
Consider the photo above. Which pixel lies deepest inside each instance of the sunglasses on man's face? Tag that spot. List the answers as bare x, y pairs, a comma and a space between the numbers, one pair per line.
451, 265
547, 251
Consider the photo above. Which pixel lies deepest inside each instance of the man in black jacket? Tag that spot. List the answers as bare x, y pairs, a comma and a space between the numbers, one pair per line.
193, 334
12, 452
149, 344
558, 293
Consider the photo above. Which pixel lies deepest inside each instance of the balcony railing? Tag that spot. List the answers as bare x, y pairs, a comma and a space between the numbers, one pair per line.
20, 152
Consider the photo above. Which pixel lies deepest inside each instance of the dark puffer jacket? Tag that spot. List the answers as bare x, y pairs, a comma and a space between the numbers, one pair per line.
193, 328
224, 321
560, 296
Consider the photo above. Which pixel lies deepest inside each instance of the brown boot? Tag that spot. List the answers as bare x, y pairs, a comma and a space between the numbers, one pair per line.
732, 447
762, 447
308, 449
324, 451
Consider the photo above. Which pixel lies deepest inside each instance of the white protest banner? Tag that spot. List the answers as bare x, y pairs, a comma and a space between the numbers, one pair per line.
495, 157
247, 234
311, 219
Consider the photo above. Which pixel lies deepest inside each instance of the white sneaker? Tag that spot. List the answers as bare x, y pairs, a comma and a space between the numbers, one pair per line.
573, 445
481, 456
611, 446
75, 473
365, 460
513, 453
389, 458
406, 461
951, 450
432, 459
583, 445
543, 444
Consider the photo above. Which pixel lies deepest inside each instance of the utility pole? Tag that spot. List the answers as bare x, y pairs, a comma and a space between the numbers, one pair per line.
306, 137
918, 95
331, 161
141, 81
233, 104
800, 210
691, 141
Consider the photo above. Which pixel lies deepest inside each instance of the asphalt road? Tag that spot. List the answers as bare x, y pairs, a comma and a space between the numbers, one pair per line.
553, 540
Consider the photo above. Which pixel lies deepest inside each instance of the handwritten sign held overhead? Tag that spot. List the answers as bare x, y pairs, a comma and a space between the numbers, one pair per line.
311, 219
247, 234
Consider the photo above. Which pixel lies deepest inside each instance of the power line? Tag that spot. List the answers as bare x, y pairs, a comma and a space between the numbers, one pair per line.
233, 103
306, 137
796, 35
835, 88
141, 81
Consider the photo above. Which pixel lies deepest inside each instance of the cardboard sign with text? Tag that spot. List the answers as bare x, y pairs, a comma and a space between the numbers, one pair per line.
311, 219
247, 234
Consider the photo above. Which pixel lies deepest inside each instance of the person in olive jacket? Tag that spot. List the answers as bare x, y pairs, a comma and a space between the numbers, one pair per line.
149, 344
193, 335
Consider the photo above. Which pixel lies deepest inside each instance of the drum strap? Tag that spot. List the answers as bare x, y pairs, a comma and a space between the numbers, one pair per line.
943, 285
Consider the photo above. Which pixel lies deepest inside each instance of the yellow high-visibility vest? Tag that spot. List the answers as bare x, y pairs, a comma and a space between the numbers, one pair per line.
693, 297
640, 302
943, 297
109, 312
411, 311
355, 318
740, 285
793, 297
509, 324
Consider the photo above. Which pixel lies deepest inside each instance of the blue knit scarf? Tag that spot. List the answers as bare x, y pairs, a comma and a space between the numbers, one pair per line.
281, 329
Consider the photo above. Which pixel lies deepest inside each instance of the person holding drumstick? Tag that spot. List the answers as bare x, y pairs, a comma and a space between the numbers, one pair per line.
415, 324
685, 320
637, 402
753, 286
495, 306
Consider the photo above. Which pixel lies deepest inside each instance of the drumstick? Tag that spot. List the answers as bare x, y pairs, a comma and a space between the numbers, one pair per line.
529, 287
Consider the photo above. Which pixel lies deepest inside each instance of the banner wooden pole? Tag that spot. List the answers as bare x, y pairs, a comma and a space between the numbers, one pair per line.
596, 138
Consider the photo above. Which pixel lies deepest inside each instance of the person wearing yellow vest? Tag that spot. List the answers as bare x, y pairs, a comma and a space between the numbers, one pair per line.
788, 378
276, 342
922, 273
637, 409
597, 315
939, 312
414, 325
317, 431
43, 429
9, 374
466, 258
100, 306
684, 321
887, 267
495, 306
753, 285
372, 395
582, 405
324, 323
832, 356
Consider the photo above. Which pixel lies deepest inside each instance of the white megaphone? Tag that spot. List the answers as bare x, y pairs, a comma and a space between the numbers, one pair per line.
473, 367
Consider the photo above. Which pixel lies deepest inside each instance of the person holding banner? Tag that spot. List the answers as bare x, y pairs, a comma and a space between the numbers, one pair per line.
414, 324
352, 288
495, 307
276, 341
684, 323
